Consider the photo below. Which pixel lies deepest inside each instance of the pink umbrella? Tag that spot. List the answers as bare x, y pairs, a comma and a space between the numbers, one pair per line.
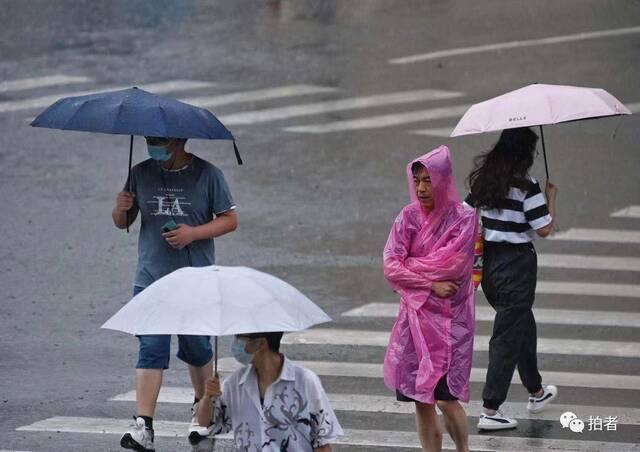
538, 105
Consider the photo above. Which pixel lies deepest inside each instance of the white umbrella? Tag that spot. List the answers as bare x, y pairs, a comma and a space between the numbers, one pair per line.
217, 301
538, 105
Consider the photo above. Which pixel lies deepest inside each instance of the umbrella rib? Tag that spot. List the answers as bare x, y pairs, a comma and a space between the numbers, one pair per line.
165, 122
75, 113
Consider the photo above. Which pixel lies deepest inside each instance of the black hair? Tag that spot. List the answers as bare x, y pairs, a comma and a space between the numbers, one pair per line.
502, 167
273, 339
416, 166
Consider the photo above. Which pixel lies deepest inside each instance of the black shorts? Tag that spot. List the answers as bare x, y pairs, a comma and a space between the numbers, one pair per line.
441, 392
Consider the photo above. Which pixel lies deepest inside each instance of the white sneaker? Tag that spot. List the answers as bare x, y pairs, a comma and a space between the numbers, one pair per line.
537, 404
496, 422
139, 438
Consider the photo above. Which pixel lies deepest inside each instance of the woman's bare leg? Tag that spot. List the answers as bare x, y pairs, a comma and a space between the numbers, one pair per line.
428, 427
455, 421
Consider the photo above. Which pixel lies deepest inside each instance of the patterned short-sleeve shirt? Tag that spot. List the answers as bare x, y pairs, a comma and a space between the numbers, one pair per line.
295, 416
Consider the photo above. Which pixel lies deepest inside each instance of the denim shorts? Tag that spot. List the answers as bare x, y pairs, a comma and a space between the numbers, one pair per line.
155, 349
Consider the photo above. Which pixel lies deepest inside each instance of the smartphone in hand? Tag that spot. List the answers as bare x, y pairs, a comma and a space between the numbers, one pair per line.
169, 226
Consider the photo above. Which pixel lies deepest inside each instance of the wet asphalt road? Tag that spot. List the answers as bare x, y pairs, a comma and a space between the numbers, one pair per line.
314, 209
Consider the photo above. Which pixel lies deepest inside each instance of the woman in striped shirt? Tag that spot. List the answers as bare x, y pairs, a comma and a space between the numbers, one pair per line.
513, 211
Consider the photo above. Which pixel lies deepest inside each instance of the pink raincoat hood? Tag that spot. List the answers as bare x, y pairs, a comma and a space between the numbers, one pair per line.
432, 336
438, 163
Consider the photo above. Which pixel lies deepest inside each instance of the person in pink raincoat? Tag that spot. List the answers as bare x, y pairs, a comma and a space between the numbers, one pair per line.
428, 261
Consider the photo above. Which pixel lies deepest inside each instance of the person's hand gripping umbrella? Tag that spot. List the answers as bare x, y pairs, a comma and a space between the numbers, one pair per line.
134, 112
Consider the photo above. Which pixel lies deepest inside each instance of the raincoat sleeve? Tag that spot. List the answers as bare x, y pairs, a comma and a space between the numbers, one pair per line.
395, 254
221, 413
451, 259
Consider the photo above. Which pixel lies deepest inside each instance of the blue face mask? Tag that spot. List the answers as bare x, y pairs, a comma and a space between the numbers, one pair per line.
158, 153
239, 353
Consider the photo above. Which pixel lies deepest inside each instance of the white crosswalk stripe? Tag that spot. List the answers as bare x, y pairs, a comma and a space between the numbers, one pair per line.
634, 107
627, 212
598, 235
372, 438
589, 262
273, 114
380, 121
374, 370
543, 316
386, 404
45, 101
41, 82
256, 95
443, 132
583, 347
515, 44
588, 289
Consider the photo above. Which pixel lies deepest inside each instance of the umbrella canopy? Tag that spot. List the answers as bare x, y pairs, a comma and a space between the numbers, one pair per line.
537, 105
132, 111
217, 301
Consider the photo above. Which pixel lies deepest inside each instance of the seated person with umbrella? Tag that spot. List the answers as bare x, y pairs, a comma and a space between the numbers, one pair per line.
270, 403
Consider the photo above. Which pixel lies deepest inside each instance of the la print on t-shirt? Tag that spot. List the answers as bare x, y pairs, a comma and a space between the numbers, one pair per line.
192, 195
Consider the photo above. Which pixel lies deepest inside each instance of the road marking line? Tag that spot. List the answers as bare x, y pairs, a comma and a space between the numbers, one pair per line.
386, 404
514, 44
371, 438
588, 289
45, 101
375, 122
444, 132
598, 235
543, 316
582, 347
40, 82
634, 107
589, 262
353, 103
257, 95
627, 212
371, 370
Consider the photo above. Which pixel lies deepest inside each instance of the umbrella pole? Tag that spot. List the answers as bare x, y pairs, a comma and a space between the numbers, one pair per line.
215, 346
129, 177
544, 153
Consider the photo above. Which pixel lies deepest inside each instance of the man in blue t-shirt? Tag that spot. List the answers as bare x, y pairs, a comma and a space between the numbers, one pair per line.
172, 190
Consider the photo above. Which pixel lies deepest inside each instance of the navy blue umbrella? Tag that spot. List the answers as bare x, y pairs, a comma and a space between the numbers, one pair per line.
134, 112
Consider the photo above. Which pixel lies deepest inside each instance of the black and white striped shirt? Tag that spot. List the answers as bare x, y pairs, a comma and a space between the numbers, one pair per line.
518, 216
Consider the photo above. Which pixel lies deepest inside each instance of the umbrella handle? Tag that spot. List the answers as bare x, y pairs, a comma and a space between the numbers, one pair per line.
215, 346
544, 153
129, 178
235, 149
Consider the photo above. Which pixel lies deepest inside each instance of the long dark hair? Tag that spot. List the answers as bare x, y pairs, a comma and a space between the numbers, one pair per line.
503, 166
